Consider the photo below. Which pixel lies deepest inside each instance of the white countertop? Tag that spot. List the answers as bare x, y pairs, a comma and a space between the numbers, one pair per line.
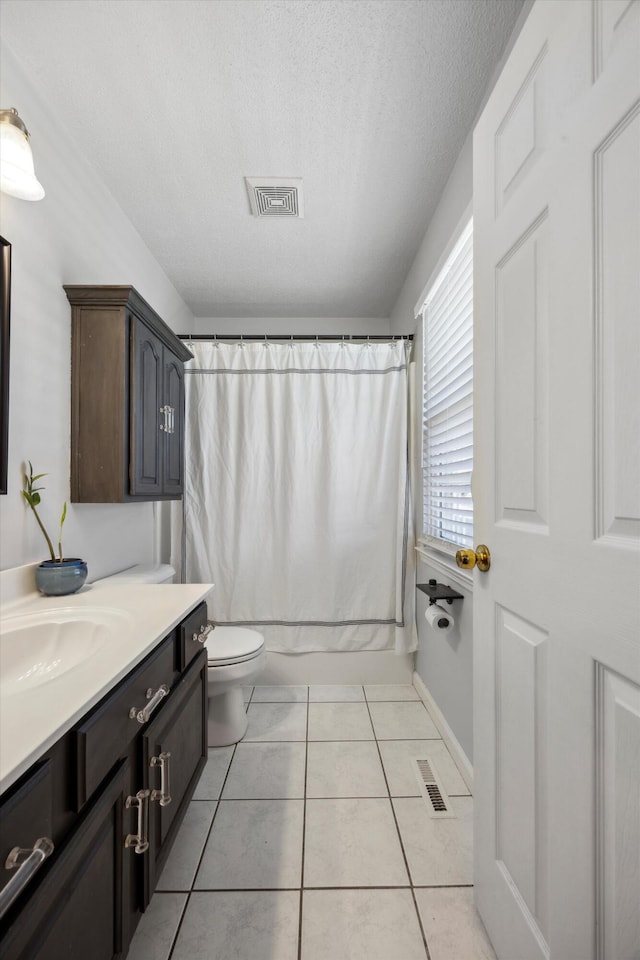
32, 722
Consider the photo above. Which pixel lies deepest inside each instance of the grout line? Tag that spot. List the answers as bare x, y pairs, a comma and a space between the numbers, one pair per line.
363, 796
377, 886
262, 799
348, 740
443, 886
328, 702
204, 847
404, 855
422, 930
179, 927
304, 828
215, 814
201, 857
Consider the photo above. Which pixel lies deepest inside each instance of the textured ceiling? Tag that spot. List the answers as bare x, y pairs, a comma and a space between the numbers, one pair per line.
176, 101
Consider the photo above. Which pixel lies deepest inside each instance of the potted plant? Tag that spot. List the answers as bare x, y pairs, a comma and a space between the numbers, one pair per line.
58, 576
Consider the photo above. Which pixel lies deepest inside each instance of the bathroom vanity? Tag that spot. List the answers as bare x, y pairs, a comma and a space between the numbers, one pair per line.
101, 760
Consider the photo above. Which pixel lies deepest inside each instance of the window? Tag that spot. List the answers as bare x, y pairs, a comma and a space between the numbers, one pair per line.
447, 451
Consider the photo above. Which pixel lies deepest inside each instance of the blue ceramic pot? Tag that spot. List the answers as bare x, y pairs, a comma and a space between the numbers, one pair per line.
58, 578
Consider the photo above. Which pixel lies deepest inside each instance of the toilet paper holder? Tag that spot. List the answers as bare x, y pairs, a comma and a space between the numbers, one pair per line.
439, 591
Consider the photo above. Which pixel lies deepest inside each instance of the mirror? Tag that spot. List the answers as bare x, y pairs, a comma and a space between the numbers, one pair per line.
5, 297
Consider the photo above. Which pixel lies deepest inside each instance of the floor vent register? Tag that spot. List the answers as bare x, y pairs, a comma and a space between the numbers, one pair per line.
438, 802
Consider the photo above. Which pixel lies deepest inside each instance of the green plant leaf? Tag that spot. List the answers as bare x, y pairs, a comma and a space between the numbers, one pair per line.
62, 519
31, 495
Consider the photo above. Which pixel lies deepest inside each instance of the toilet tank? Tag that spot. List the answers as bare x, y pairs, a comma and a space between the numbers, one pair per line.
141, 573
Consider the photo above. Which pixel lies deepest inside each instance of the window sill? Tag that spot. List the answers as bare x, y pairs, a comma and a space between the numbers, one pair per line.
443, 559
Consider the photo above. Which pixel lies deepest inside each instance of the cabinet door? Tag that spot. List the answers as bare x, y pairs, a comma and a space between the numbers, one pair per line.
75, 911
174, 439
180, 731
146, 419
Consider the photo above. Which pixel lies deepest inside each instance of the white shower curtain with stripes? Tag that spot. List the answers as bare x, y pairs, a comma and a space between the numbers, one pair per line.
297, 501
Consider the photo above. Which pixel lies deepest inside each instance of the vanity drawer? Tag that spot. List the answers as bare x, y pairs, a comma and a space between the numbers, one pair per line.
26, 815
105, 735
190, 630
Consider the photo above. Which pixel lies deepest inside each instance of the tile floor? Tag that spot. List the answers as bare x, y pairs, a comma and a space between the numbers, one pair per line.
310, 840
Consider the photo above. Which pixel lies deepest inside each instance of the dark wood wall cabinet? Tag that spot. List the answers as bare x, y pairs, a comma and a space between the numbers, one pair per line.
110, 795
127, 398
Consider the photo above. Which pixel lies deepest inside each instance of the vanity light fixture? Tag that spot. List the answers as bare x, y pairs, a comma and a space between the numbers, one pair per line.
17, 176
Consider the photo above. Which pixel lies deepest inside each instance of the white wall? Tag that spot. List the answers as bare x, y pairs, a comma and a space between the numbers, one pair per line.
77, 234
454, 200
444, 662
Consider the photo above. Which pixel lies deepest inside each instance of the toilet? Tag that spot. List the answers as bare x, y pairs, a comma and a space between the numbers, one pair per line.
236, 658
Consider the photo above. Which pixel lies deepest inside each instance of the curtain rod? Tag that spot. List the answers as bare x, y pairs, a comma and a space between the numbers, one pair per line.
294, 337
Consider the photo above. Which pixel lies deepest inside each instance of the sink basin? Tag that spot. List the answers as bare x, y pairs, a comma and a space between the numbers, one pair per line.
39, 647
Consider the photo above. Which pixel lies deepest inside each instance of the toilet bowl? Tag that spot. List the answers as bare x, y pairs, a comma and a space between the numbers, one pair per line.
236, 658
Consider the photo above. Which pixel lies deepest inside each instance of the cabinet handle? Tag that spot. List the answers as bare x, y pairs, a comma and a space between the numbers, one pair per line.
140, 840
28, 862
169, 414
164, 793
154, 699
164, 410
204, 633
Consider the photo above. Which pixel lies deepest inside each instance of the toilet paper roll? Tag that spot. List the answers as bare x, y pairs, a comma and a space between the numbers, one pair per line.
438, 618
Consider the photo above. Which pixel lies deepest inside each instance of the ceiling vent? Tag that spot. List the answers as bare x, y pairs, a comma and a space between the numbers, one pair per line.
275, 197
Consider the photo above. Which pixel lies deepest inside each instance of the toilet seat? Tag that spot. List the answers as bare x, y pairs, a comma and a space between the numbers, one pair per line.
229, 645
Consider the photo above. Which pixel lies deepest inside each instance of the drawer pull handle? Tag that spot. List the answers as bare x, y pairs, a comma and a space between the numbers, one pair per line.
201, 637
142, 716
27, 861
139, 841
164, 793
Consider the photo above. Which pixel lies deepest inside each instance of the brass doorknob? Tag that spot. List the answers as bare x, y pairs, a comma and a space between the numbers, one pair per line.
467, 559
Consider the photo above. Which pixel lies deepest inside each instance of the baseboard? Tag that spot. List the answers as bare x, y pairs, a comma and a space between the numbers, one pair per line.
365, 666
461, 760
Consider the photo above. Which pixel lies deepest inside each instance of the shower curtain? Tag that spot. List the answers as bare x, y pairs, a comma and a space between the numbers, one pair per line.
297, 501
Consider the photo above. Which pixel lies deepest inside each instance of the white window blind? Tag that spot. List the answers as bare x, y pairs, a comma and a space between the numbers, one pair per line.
447, 456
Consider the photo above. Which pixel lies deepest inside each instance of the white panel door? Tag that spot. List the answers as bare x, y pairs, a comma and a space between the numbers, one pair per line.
557, 488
